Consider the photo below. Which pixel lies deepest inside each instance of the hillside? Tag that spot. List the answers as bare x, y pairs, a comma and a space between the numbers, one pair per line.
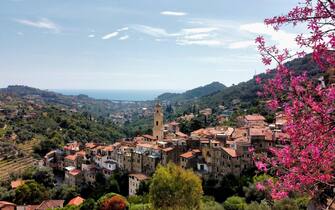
192, 94
246, 92
23, 119
81, 103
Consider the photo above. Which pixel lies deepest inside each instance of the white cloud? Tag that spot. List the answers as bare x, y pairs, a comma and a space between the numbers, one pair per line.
43, 23
282, 38
206, 42
91, 36
188, 36
110, 35
173, 13
152, 31
124, 37
197, 36
241, 44
197, 30
123, 29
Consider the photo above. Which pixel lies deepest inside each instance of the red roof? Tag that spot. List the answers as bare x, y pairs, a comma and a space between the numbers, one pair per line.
187, 155
149, 137
257, 131
31, 207
180, 134
90, 145
81, 153
71, 157
76, 201
3, 204
167, 149
140, 177
50, 204
109, 148
254, 117
75, 172
17, 183
230, 151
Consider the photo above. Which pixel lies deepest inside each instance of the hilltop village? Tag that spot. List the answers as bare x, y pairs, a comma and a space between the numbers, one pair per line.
210, 152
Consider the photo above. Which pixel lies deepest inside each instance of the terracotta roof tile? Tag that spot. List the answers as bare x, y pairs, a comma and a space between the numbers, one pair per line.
139, 176
71, 157
76, 201
187, 155
17, 183
90, 145
230, 151
180, 134
75, 172
168, 149
50, 204
3, 204
81, 153
254, 117
149, 137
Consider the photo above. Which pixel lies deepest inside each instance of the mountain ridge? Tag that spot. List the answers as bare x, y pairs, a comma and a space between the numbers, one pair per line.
193, 93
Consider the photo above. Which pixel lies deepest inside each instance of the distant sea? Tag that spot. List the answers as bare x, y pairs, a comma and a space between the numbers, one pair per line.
123, 95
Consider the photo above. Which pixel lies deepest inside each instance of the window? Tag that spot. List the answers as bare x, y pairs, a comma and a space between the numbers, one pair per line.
156, 123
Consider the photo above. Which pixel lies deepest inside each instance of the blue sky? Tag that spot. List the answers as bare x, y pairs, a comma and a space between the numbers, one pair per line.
143, 44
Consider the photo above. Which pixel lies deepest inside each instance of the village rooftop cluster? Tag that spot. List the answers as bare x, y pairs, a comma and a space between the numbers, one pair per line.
210, 152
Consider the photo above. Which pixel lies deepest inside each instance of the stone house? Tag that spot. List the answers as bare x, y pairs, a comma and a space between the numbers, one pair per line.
135, 181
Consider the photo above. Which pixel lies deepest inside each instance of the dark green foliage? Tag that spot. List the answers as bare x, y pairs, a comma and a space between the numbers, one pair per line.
89, 204
234, 203
45, 146
54, 127
138, 199
253, 194
194, 93
116, 183
209, 203
144, 187
44, 176
286, 204
65, 192
257, 206
30, 193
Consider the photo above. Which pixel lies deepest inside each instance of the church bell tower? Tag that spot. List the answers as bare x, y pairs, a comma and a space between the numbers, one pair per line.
158, 128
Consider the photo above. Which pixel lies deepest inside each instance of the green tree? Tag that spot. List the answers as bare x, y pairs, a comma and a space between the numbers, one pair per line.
235, 203
112, 201
208, 203
257, 206
44, 176
175, 188
65, 192
144, 187
45, 146
286, 204
30, 193
89, 204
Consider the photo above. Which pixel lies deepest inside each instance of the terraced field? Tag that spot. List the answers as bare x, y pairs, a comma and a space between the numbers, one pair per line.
16, 165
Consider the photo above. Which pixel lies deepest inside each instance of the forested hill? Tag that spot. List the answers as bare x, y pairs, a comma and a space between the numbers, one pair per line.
82, 103
246, 92
24, 119
192, 94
